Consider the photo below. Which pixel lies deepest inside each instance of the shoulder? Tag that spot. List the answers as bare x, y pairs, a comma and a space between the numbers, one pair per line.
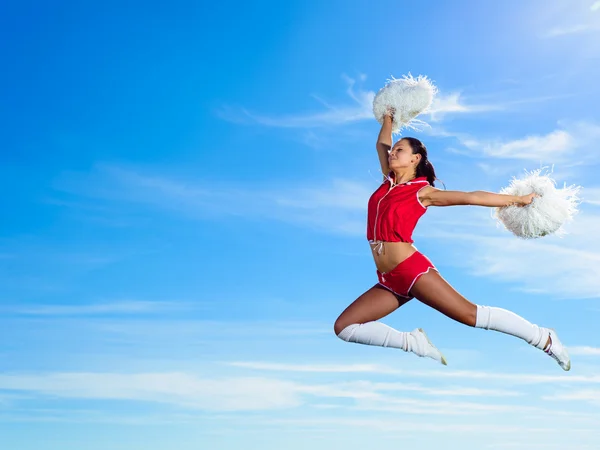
421, 184
425, 189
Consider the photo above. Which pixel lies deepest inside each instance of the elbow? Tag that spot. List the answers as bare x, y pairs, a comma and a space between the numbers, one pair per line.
472, 199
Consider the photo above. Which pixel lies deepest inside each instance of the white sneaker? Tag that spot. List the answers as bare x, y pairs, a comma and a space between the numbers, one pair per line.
558, 351
424, 347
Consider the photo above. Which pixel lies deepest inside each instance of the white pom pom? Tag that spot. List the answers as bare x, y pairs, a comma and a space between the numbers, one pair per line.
546, 214
408, 97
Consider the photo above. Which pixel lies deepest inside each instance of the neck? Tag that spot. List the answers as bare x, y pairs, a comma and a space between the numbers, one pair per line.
403, 176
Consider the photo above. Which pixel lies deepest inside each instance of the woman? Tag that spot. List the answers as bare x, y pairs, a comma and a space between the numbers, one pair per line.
404, 273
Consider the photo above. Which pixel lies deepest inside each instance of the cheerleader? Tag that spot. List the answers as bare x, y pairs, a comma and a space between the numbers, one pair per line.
404, 273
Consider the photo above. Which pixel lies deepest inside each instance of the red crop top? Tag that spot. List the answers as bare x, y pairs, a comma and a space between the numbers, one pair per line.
394, 210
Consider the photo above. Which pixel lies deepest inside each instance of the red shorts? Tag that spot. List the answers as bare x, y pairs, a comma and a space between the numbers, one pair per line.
401, 278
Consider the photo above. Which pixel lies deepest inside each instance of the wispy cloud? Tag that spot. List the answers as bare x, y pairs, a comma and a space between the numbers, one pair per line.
494, 253
571, 18
573, 29
453, 103
532, 147
591, 196
416, 429
586, 395
585, 351
337, 206
516, 378
319, 368
360, 108
174, 388
192, 330
361, 387
247, 393
530, 445
557, 261
123, 307
556, 146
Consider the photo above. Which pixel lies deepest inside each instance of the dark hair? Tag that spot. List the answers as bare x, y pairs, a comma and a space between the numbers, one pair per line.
425, 168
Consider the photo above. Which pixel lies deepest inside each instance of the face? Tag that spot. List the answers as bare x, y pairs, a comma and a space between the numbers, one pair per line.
401, 156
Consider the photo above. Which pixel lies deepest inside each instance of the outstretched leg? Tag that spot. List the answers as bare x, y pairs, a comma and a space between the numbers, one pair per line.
435, 292
358, 323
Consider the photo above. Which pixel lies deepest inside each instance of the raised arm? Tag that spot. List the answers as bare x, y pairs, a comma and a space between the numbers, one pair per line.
384, 144
430, 196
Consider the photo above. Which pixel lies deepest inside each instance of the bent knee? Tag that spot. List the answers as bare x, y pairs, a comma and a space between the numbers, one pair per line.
338, 326
341, 324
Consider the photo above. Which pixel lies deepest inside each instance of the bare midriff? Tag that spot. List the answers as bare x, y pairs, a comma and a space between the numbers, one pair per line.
388, 255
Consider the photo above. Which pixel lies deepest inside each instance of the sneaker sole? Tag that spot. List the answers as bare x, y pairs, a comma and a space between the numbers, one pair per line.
444, 362
566, 369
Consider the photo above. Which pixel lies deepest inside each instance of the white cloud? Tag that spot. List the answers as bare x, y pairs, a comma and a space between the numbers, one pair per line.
516, 378
558, 261
338, 206
555, 143
444, 408
452, 103
367, 389
530, 445
247, 393
182, 330
496, 170
587, 395
323, 368
360, 109
422, 428
123, 307
584, 351
235, 394
573, 29
575, 17
562, 267
591, 196
571, 142
448, 103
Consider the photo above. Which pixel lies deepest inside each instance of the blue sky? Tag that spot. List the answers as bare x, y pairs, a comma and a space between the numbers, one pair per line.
184, 207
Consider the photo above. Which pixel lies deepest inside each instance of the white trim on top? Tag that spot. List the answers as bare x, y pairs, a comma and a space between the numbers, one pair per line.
419, 200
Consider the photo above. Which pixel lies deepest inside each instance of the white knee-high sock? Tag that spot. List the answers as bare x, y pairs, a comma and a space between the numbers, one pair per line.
382, 335
375, 333
498, 319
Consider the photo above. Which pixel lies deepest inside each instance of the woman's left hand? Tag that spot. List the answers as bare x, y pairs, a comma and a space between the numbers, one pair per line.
527, 199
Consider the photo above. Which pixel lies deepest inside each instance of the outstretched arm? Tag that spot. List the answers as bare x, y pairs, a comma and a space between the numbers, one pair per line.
430, 196
384, 144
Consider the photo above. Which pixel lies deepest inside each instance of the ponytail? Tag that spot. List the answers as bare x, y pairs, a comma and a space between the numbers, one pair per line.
426, 169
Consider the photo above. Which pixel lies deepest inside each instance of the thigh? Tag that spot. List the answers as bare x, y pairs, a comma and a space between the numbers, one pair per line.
374, 304
437, 293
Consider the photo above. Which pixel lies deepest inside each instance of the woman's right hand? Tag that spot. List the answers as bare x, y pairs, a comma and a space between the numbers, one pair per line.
390, 113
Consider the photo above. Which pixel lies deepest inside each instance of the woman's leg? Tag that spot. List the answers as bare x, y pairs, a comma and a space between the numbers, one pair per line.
358, 323
373, 305
435, 292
